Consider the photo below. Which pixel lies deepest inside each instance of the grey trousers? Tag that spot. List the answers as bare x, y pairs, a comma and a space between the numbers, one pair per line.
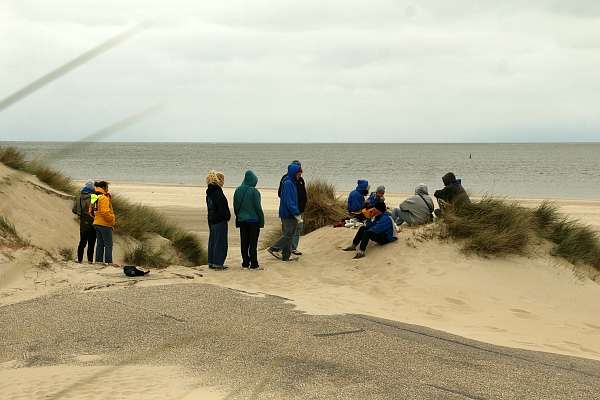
217, 244
289, 227
400, 216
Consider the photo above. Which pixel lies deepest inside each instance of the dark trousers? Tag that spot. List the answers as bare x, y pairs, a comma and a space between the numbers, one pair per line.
104, 244
363, 236
249, 233
286, 241
87, 237
217, 244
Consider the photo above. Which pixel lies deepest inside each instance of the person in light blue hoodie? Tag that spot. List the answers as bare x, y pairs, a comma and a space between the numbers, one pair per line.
289, 212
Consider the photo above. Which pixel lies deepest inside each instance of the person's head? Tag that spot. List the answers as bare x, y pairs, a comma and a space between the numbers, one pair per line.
102, 185
380, 206
215, 178
380, 191
449, 178
362, 185
89, 186
299, 173
294, 171
250, 179
421, 189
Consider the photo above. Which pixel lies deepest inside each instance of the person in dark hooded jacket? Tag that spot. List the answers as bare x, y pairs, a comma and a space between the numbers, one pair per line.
356, 198
87, 232
453, 193
249, 218
289, 213
218, 217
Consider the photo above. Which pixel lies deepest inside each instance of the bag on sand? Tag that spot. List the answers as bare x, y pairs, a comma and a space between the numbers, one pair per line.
132, 271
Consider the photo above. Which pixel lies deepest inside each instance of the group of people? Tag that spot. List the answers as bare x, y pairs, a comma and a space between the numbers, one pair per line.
93, 207
379, 224
249, 217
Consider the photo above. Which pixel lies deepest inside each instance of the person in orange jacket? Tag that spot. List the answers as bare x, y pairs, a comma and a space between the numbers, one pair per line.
104, 221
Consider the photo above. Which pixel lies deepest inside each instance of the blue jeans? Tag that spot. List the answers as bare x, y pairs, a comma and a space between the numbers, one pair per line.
217, 244
289, 227
104, 244
296, 239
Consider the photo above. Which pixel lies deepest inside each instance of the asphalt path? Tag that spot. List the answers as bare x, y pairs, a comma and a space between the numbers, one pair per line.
261, 348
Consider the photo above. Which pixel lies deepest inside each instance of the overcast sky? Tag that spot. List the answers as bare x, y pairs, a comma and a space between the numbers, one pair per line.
307, 71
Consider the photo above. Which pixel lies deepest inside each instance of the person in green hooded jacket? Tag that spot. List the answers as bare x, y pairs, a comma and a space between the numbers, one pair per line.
249, 217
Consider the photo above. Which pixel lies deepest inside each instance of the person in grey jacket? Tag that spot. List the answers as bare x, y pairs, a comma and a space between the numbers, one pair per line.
416, 210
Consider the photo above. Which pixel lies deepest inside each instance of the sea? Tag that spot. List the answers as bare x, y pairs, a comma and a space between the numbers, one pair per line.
548, 170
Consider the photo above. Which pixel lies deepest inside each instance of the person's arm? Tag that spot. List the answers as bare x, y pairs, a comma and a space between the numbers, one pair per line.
291, 198
104, 210
259, 210
75, 208
225, 205
382, 225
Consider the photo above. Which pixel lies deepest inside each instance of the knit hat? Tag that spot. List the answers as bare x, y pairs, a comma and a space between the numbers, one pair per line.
380, 189
215, 178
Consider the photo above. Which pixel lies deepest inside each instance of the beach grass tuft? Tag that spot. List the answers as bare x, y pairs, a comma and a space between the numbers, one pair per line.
9, 232
324, 207
66, 253
189, 247
144, 256
13, 158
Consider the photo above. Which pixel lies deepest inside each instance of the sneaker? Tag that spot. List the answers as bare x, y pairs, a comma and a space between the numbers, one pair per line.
274, 253
296, 252
349, 248
254, 267
219, 267
359, 254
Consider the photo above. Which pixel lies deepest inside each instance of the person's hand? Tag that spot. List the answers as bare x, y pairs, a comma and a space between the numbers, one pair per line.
299, 219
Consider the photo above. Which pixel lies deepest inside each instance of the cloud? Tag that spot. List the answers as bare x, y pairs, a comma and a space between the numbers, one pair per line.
386, 70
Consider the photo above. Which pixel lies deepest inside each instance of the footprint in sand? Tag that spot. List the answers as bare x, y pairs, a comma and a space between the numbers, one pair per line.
517, 312
455, 301
596, 327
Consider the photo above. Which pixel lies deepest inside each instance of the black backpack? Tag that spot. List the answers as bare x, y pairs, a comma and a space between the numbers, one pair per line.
132, 271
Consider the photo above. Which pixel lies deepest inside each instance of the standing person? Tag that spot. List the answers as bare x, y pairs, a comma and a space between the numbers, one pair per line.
218, 217
302, 200
104, 221
87, 232
249, 217
289, 213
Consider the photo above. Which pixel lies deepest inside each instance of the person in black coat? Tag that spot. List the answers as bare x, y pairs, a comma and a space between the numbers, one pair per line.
218, 217
453, 193
302, 200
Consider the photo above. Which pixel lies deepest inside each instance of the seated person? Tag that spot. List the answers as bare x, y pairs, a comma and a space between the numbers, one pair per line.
356, 198
416, 210
379, 229
376, 196
453, 193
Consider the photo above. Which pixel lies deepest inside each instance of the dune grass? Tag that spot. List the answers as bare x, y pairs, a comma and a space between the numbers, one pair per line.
133, 220
144, 256
324, 207
494, 226
8, 231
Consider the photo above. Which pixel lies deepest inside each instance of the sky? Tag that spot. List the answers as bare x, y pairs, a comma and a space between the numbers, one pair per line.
306, 71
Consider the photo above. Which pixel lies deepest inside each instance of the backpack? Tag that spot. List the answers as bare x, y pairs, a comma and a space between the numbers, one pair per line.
132, 271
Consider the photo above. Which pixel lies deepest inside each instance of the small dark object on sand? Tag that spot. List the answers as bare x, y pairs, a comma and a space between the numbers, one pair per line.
132, 271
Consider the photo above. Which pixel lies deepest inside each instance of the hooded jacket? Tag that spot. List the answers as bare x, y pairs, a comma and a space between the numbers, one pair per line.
453, 191
101, 208
246, 201
288, 200
82, 205
216, 203
382, 224
301, 188
420, 206
356, 198
373, 199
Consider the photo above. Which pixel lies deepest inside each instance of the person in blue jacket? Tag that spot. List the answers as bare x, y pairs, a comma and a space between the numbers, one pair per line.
356, 198
379, 229
376, 196
289, 212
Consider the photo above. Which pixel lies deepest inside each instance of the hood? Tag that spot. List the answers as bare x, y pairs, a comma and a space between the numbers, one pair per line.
86, 190
213, 187
421, 189
293, 169
362, 184
250, 179
449, 178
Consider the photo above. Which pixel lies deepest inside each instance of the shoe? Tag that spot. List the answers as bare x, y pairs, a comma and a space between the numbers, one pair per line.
219, 267
274, 253
211, 266
349, 248
244, 266
296, 252
359, 254
254, 267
